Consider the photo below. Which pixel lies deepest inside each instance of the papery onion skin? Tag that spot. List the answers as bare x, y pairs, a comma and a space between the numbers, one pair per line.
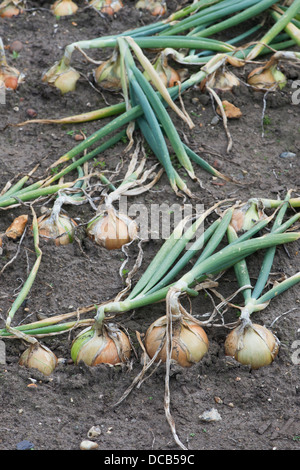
108, 75
245, 217
11, 82
155, 8
107, 6
9, 11
67, 81
169, 76
61, 77
95, 348
189, 341
39, 357
112, 232
254, 345
64, 8
62, 233
263, 78
10, 76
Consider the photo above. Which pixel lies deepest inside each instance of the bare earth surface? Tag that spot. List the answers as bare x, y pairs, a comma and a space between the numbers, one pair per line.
259, 409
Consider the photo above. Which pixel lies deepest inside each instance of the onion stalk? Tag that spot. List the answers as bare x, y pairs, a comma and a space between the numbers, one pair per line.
291, 29
282, 22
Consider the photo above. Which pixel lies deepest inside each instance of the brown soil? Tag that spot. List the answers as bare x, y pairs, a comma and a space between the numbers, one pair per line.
259, 409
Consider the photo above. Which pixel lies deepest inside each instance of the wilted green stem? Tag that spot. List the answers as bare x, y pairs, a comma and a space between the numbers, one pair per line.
282, 22
28, 283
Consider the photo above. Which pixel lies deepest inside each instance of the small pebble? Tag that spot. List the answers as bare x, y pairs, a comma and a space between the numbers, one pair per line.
210, 416
287, 155
214, 121
16, 46
25, 445
88, 445
78, 137
94, 432
218, 400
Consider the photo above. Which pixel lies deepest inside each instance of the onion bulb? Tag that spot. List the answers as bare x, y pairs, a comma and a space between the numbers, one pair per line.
156, 8
189, 341
106, 345
10, 76
220, 80
245, 217
10, 8
267, 77
62, 77
112, 230
107, 6
64, 8
39, 357
169, 76
108, 74
59, 228
252, 344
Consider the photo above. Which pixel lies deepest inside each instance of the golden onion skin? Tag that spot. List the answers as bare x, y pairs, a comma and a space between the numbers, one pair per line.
63, 78
67, 81
263, 78
253, 345
64, 8
39, 357
189, 341
93, 348
112, 232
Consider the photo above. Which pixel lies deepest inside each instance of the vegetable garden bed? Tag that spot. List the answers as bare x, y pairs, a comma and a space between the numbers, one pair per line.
259, 407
